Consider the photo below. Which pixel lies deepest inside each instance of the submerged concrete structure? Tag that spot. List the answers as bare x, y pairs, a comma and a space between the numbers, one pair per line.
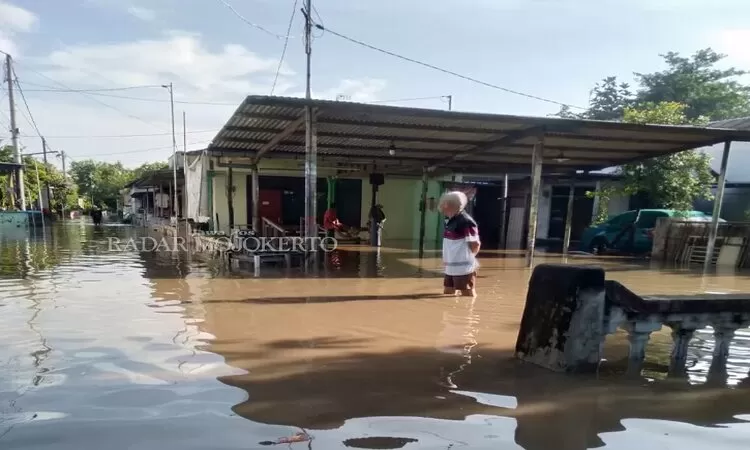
570, 310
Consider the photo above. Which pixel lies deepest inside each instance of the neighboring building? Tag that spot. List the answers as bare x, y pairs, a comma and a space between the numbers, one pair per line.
736, 204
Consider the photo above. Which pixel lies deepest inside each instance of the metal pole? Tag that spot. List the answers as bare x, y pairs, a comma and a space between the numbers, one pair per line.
422, 213
450, 103
569, 218
536, 181
255, 181
185, 176
597, 201
174, 149
311, 170
46, 183
714, 231
14, 134
503, 224
39, 188
230, 196
65, 182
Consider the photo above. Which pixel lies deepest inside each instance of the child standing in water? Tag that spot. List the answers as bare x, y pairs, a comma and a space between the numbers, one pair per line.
460, 245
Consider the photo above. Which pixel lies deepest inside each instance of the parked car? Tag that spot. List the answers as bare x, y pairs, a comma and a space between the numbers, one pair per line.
614, 234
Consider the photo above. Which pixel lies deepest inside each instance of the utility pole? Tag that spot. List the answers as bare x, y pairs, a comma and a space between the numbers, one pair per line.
174, 150
46, 183
450, 103
311, 168
14, 134
184, 132
65, 181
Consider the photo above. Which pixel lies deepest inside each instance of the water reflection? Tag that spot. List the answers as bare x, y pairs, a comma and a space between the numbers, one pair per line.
128, 350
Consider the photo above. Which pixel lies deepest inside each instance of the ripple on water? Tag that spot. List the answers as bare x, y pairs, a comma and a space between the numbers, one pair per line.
88, 361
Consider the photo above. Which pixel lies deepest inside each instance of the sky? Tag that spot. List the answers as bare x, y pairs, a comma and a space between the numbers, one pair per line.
91, 71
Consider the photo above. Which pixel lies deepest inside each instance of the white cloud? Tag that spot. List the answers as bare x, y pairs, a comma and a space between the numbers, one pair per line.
142, 13
199, 72
13, 21
179, 57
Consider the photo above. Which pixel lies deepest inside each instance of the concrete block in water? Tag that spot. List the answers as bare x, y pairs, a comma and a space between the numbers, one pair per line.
562, 327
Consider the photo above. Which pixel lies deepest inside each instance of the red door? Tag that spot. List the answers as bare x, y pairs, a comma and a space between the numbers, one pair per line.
270, 204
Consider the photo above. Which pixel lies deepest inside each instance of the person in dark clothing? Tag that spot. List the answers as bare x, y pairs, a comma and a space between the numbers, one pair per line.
377, 218
96, 216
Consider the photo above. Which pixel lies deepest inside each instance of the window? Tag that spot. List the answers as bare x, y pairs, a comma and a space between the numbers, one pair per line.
622, 220
647, 219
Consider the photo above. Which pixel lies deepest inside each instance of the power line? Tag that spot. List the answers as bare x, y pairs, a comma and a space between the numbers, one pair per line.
23, 97
137, 151
254, 25
124, 97
286, 44
105, 136
96, 100
124, 88
449, 72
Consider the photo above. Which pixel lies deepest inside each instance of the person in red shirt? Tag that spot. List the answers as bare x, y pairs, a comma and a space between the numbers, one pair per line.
331, 221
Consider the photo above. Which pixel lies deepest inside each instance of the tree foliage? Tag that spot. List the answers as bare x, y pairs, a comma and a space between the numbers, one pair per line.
689, 91
697, 83
63, 191
99, 183
672, 181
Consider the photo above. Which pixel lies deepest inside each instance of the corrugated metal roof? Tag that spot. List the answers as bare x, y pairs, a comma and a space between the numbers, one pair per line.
740, 123
456, 141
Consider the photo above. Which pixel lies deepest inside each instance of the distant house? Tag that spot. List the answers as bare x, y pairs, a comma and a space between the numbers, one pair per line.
736, 203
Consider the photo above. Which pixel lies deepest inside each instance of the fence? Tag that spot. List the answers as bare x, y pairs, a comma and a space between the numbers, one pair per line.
684, 242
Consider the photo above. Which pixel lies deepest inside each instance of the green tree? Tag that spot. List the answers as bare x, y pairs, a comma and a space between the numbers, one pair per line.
48, 173
99, 183
689, 91
608, 101
696, 82
673, 181
148, 168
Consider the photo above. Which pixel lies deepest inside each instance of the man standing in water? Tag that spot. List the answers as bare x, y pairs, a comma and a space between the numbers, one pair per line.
460, 245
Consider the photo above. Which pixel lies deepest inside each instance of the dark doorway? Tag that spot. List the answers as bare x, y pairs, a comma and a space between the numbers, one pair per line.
488, 213
582, 211
348, 201
292, 191
271, 202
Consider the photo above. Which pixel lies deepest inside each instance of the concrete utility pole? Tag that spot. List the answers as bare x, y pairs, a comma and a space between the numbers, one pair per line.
174, 150
21, 189
46, 183
65, 181
311, 157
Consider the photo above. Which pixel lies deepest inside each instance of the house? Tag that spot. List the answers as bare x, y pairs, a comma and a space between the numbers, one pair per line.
735, 206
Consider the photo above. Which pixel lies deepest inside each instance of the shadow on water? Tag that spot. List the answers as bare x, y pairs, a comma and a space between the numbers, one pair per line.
546, 410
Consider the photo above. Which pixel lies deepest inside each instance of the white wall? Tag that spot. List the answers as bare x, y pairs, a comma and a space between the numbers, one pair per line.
739, 161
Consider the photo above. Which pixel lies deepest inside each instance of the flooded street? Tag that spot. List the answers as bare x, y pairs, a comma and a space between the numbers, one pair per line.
123, 350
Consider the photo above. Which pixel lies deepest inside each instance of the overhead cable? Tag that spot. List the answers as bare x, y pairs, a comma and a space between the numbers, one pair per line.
440, 69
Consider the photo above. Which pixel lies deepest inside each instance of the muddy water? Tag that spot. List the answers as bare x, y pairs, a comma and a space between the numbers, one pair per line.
156, 351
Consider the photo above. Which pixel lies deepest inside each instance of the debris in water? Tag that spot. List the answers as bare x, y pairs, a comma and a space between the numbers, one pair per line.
299, 437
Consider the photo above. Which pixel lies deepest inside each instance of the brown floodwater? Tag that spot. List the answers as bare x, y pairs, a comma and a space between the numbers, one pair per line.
122, 350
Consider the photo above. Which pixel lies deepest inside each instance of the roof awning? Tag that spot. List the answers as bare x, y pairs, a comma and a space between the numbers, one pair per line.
157, 179
9, 167
401, 139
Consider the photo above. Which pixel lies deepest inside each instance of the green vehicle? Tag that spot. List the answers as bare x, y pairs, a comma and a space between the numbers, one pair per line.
632, 231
